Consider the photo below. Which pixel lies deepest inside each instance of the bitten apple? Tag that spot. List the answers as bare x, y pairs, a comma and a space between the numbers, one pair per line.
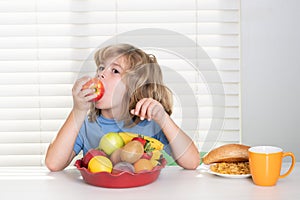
97, 85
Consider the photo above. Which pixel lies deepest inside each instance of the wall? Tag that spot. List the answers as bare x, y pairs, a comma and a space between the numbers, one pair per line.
270, 69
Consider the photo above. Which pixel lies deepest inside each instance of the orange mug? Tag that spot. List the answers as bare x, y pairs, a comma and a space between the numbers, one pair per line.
265, 164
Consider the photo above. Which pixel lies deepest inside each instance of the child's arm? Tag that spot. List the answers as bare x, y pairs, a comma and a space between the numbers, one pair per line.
60, 152
183, 148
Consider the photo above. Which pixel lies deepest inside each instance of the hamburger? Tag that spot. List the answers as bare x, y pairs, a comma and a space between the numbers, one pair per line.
228, 159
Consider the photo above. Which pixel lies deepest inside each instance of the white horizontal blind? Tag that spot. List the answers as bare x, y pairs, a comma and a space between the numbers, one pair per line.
44, 44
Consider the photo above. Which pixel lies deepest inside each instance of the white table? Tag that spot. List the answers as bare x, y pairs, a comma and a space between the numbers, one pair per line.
173, 183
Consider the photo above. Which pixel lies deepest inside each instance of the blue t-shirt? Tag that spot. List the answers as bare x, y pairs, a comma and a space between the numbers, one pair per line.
90, 133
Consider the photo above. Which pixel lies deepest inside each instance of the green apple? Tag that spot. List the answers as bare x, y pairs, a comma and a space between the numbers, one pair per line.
111, 142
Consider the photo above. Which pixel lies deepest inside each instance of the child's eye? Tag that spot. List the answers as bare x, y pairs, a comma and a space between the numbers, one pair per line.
115, 71
101, 68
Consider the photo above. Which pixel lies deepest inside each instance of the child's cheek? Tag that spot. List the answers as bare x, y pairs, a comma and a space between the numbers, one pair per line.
119, 89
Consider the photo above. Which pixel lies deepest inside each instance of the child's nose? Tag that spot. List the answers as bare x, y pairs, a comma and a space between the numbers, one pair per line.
101, 75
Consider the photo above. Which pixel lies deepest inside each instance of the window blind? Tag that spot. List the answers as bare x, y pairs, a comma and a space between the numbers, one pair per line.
44, 45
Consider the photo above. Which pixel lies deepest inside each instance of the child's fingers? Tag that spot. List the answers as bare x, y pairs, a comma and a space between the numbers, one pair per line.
151, 110
86, 92
138, 107
79, 83
144, 111
146, 108
90, 97
132, 112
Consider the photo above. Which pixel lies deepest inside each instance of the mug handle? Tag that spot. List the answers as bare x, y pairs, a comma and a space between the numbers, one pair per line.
292, 165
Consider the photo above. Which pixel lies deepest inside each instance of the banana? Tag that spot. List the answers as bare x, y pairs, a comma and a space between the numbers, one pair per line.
156, 155
156, 144
154, 162
127, 137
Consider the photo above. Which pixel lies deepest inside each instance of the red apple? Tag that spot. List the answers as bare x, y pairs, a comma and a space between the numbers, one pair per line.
90, 154
96, 84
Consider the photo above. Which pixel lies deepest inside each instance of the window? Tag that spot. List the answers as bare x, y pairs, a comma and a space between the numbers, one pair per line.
44, 46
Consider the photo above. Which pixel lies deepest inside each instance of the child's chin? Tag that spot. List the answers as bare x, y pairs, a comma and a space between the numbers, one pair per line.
98, 104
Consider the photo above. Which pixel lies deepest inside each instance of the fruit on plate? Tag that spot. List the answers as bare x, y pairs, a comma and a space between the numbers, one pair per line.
143, 165
147, 155
156, 155
115, 157
100, 164
123, 167
141, 139
132, 152
156, 158
97, 85
111, 142
90, 154
154, 143
154, 162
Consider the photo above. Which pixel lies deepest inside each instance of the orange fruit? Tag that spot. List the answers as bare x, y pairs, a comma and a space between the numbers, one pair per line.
100, 164
143, 165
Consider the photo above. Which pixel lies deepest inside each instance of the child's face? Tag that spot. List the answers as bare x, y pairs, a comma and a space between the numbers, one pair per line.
111, 74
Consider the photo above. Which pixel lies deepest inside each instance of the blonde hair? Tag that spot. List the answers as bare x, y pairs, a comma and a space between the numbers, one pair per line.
143, 79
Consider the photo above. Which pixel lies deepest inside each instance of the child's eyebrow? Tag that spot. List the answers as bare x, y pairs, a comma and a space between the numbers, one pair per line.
118, 65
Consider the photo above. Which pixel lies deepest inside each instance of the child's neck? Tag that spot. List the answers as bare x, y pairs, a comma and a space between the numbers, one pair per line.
108, 113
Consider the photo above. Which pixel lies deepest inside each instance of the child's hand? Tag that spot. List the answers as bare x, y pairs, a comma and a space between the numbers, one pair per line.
81, 97
149, 109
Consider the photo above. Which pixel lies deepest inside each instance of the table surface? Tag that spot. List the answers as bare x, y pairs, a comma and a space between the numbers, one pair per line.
173, 183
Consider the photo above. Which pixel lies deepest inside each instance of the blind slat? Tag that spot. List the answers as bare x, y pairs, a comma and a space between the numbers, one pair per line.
52, 30
92, 42
26, 136
82, 54
36, 102
77, 66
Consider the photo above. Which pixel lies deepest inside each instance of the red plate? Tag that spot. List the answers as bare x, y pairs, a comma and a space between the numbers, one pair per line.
121, 180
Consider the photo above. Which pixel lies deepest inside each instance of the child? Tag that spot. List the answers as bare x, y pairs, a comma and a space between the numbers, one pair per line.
135, 100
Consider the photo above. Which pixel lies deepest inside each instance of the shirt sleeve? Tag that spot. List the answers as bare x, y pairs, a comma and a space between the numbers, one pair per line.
78, 146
